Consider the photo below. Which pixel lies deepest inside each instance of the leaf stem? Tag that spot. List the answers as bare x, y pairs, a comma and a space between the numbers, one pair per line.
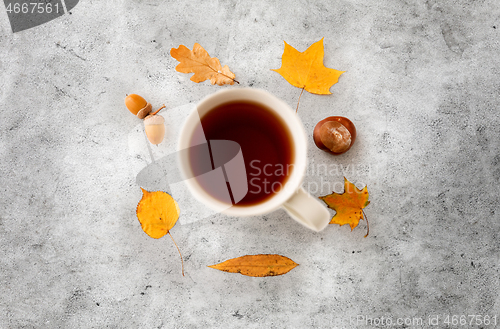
228, 77
296, 110
182, 261
220, 72
159, 110
367, 225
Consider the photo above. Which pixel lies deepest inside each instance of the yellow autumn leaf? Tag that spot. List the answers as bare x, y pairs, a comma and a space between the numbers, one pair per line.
348, 205
306, 70
157, 212
257, 265
204, 67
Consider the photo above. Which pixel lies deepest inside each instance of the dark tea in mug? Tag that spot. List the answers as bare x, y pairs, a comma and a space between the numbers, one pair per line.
266, 144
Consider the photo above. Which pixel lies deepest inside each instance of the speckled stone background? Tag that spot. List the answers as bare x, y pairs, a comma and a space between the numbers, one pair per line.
421, 85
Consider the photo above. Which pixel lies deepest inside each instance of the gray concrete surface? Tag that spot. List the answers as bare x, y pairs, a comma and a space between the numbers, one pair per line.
421, 85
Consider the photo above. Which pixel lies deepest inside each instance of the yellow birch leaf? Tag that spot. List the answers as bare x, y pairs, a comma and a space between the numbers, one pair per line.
306, 69
157, 212
204, 67
257, 265
348, 205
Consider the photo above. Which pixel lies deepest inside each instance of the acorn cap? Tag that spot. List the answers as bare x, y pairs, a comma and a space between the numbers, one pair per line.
144, 111
154, 120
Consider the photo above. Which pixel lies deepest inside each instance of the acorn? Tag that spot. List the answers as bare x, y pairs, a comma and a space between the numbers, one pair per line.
154, 125
138, 105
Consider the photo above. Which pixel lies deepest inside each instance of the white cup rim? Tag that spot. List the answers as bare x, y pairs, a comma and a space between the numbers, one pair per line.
284, 111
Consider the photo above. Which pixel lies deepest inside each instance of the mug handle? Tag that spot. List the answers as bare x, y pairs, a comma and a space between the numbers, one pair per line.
307, 210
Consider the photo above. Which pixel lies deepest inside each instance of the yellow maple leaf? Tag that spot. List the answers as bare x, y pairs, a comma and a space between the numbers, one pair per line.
348, 205
306, 70
257, 265
157, 212
204, 67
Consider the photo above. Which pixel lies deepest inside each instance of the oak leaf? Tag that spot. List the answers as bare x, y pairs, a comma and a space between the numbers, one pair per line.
204, 67
348, 205
157, 212
306, 70
257, 265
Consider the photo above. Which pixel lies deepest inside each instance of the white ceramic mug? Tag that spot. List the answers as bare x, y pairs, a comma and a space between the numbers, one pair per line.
299, 204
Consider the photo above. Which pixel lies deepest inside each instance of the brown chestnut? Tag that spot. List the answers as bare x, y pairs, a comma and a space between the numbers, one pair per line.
335, 135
